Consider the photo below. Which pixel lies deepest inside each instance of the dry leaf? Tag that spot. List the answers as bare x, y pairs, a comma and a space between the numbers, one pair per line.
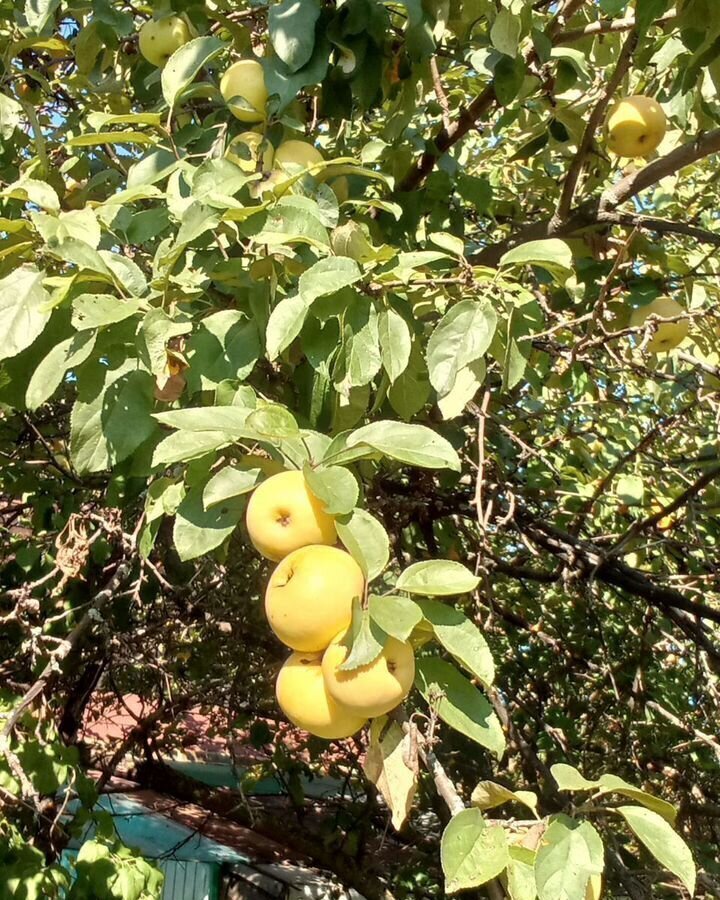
385, 766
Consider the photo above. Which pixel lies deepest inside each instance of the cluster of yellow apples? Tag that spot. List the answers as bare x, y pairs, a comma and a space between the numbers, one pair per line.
244, 90
309, 606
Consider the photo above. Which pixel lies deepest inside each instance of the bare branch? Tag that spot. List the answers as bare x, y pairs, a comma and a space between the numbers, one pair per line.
661, 226
440, 92
606, 26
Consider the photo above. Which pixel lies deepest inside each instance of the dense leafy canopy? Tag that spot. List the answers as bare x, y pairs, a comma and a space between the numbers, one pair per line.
435, 324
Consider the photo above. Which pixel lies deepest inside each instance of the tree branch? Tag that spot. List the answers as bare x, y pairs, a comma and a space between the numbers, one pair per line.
603, 210
677, 159
661, 226
606, 26
576, 552
447, 137
594, 122
52, 669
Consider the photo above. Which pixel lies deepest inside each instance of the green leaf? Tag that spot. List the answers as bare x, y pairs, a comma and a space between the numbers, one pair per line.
198, 530
10, 115
287, 223
272, 421
365, 639
230, 419
630, 489
509, 75
467, 382
437, 578
461, 638
227, 346
568, 778
415, 445
185, 63
570, 853
186, 445
285, 83
395, 343
521, 874
111, 417
83, 256
217, 181
30, 190
97, 310
359, 360
230, 482
48, 376
488, 795
552, 254
95, 139
397, 616
285, 324
335, 486
410, 392
505, 32
471, 852
291, 25
573, 57
611, 784
327, 276
366, 540
665, 844
458, 703
24, 309
461, 337
646, 11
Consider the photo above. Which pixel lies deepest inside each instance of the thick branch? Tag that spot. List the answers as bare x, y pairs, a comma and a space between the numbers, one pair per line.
692, 491
660, 226
576, 552
603, 211
704, 145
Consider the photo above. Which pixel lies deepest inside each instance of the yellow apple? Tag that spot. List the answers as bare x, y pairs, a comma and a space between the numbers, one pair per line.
309, 596
376, 688
667, 334
302, 696
291, 156
253, 149
160, 38
283, 514
245, 79
635, 126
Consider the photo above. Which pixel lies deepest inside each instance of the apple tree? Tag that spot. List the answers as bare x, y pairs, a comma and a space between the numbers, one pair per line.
455, 265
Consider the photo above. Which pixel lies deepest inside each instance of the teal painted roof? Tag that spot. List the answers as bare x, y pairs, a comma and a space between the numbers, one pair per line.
156, 836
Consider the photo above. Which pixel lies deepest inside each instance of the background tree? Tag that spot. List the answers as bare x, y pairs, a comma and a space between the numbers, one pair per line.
432, 316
